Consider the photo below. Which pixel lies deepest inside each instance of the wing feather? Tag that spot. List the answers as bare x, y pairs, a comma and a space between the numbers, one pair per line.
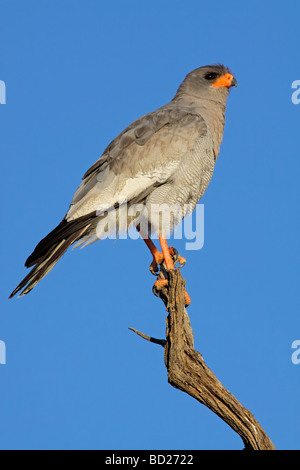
145, 154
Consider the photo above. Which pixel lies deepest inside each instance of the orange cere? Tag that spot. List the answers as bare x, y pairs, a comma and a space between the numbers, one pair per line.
224, 80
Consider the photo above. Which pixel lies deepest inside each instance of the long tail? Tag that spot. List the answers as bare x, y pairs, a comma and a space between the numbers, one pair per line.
50, 250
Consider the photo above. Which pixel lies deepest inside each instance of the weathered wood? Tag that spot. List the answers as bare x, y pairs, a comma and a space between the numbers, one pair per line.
188, 372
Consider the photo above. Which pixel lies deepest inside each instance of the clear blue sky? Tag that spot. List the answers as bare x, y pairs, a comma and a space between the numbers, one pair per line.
78, 72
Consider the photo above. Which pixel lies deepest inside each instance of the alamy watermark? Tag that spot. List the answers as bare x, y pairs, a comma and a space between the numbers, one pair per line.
2, 353
123, 221
296, 94
2, 92
296, 354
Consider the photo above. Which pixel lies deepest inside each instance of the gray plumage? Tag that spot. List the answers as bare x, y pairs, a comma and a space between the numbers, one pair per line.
165, 157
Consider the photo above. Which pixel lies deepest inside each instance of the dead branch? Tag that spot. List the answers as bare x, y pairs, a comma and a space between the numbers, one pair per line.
188, 372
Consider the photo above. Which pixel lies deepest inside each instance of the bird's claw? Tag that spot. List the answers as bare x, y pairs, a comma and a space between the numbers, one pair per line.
161, 283
153, 268
158, 259
181, 260
176, 257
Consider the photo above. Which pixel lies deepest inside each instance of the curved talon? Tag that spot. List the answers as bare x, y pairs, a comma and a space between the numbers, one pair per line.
181, 260
153, 268
176, 257
158, 259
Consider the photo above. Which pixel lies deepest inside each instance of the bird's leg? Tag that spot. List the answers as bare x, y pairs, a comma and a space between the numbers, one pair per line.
158, 258
167, 254
157, 255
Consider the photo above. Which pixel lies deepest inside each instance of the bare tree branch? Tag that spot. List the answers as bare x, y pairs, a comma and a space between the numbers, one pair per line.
188, 372
162, 342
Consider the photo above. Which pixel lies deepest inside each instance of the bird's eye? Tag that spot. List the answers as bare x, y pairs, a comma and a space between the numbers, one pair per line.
211, 76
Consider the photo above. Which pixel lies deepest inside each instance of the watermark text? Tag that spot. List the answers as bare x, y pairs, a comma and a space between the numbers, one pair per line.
2, 353
2, 92
296, 354
152, 220
296, 94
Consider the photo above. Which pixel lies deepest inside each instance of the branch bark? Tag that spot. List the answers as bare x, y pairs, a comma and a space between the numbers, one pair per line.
188, 372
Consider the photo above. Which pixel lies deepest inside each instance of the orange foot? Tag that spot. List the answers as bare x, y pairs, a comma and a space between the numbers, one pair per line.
167, 256
161, 283
178, 259
158, 259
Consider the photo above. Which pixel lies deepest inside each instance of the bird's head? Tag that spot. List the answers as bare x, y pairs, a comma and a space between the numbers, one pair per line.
210, 82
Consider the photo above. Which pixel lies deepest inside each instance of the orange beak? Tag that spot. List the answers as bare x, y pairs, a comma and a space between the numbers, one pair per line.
227, 80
